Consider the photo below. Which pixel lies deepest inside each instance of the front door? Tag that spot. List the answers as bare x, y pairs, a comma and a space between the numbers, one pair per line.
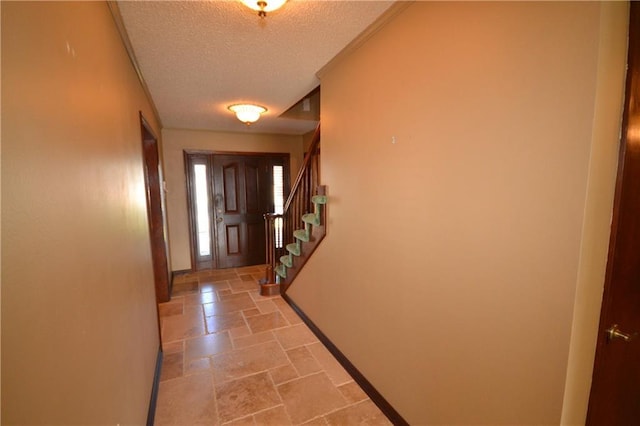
615, 390
228, 197
242, 195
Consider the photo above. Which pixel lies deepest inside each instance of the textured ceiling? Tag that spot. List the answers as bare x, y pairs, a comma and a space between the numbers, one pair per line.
198, 57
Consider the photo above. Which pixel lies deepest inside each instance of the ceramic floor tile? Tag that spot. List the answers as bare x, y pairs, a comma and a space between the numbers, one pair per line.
364, 413
223, 275
180, 327
274, 416
229, 303
224, 292
266, 306
218, 323
251, 312
197, 365
183, 288
204, 346
245, 421
186, 401
294, 336
252, 339
303, 361
352, 392
243, 285
172, 366
329, 364
208, 286
247, 361
174, 307
240, 332
287, 311
247, 395
265, 322
262, 362
250, 269
180, 289
172, 347
309, 397
200, 298
316, 422
283, 374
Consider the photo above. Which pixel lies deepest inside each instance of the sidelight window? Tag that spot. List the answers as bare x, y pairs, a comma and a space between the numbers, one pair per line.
202, 209
278, 202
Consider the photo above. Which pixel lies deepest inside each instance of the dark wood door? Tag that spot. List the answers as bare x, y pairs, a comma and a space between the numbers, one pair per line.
228, 197
615, 390
241, 198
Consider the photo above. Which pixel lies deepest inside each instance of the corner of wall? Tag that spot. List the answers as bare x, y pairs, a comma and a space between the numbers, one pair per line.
614, 18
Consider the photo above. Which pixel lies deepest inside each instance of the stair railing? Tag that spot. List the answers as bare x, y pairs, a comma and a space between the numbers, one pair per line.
279, 227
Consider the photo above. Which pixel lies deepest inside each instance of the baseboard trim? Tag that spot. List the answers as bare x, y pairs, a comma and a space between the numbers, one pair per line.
375, 396
154, 389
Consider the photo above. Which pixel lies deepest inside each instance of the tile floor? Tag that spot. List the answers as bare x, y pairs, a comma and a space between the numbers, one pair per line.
233, 357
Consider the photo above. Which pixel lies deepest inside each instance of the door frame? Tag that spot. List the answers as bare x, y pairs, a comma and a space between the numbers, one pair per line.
156, 211
628, 172
190, 203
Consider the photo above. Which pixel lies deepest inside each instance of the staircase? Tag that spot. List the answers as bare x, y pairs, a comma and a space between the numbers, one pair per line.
291, 237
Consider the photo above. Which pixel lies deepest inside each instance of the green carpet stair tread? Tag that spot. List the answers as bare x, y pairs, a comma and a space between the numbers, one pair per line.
319, 199
281, 270
311, 218
286, 261
301, 234
294, 249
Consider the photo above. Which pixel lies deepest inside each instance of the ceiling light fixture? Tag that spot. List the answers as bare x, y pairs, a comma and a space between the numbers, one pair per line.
262, 6
247, 113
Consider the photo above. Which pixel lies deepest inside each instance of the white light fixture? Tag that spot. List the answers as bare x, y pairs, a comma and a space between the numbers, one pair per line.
264, 6
247, 113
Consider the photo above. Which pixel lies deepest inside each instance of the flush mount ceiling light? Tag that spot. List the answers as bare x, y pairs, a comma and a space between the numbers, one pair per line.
264, 6
247, 113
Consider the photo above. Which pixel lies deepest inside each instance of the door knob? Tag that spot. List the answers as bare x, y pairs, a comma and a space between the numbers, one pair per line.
219, 220
614, 333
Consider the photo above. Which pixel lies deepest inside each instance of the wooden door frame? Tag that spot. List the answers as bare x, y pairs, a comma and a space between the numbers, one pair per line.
155, 211
190, 208
626, 164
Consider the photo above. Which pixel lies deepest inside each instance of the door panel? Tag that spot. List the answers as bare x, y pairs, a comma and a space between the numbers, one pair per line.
252, 192
230, 186
615, 389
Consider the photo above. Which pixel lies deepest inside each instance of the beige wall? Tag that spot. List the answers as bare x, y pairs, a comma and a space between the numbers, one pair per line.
449, 272
79, 321
174, 144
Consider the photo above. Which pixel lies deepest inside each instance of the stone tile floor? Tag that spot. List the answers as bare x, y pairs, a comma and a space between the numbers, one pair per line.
233, 357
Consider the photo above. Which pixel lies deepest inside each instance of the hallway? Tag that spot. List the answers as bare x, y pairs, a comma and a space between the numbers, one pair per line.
234, 357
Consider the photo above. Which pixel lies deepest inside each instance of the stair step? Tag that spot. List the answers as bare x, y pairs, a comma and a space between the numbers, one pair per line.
311, 218
294, 249
319, 199
301, 234
286, 261
281, 270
